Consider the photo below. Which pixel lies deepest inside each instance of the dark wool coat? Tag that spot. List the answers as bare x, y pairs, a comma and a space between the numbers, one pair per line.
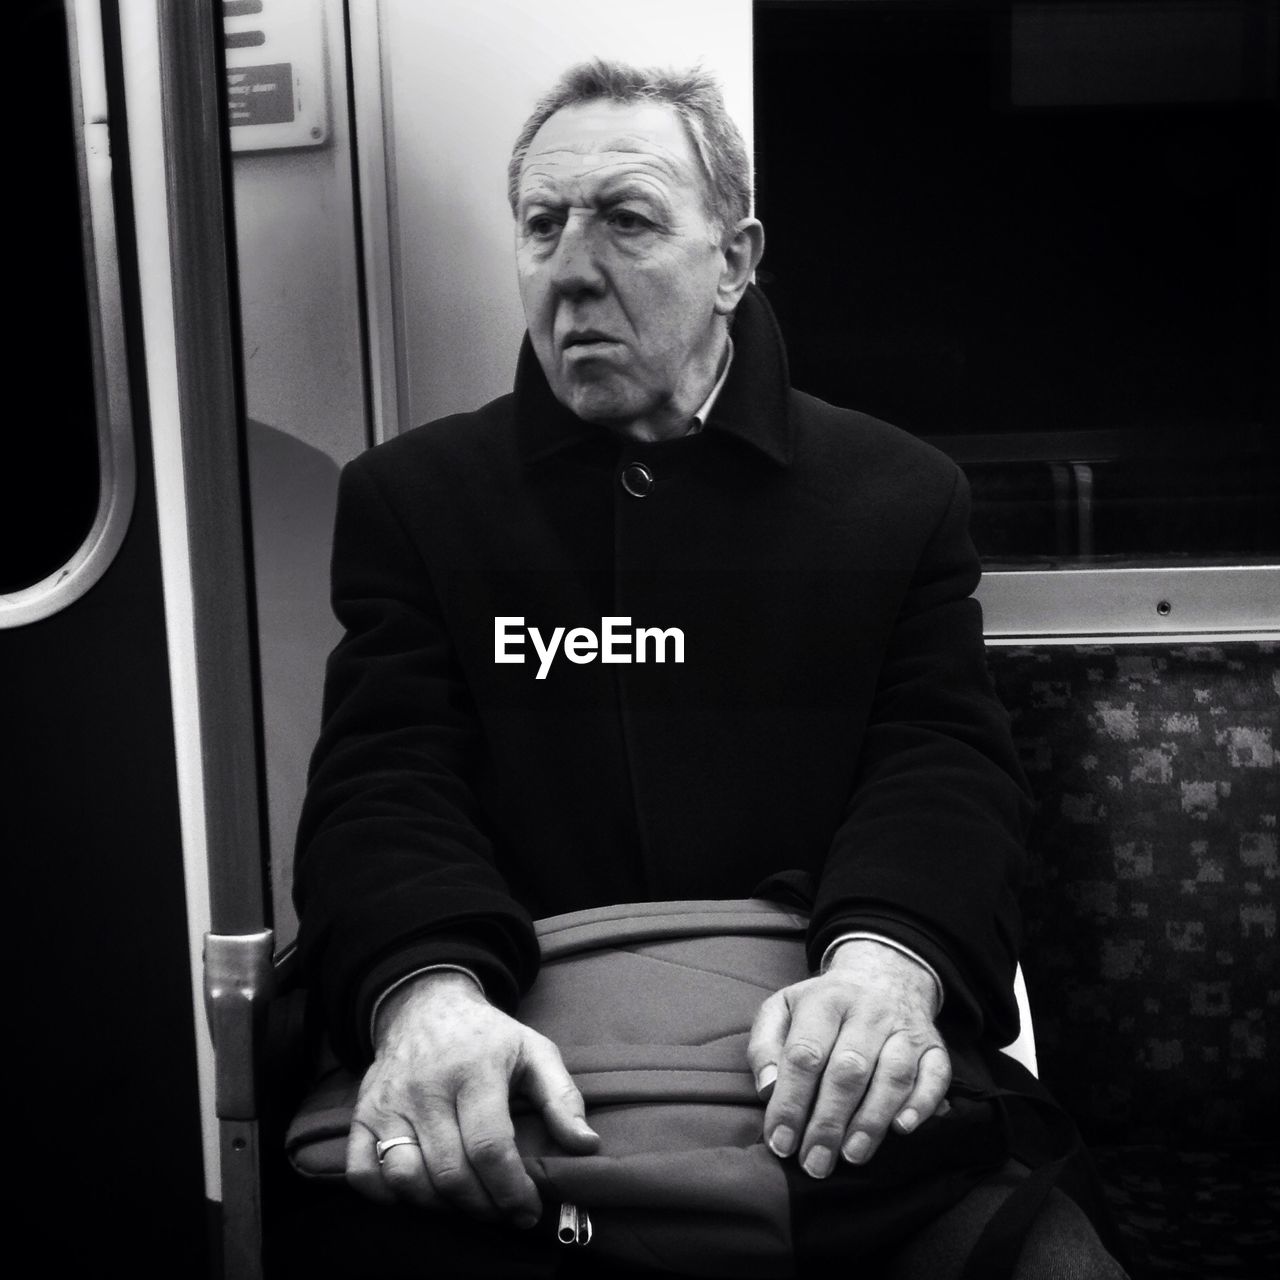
832, 716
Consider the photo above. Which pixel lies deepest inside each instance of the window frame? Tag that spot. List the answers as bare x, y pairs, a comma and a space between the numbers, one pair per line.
1205, 603
113, 410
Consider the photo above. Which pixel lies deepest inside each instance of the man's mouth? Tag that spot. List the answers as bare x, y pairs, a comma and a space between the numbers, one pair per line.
586, 338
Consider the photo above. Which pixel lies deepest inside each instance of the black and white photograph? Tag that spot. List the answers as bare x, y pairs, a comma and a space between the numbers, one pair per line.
643, 640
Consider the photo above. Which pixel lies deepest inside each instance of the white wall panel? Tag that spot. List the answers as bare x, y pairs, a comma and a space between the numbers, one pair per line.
299, 287
298, 258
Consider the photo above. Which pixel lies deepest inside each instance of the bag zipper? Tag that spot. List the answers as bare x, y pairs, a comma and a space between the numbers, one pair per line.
575, 1225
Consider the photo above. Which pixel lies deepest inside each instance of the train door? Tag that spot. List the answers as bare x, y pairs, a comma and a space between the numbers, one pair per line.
164, 605
104, 1023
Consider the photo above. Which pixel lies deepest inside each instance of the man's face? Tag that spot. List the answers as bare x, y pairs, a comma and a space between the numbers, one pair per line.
619, 266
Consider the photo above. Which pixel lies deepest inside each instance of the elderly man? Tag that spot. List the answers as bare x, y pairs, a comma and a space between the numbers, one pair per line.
654, 626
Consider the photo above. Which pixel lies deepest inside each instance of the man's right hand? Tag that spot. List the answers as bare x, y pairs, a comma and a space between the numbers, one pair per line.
446, 1065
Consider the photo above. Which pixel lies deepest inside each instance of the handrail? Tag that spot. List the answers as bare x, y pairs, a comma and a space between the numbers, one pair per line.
209, 592
213, 459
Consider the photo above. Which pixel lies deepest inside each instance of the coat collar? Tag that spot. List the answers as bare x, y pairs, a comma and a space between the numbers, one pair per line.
753, 404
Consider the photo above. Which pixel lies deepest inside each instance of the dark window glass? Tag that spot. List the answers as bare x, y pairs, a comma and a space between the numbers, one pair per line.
1047, 241
49, 491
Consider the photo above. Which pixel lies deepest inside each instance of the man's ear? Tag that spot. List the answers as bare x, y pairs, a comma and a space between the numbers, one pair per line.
743, 247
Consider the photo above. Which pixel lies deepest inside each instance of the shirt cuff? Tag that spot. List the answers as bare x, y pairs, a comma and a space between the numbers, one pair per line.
863, 935
417, 973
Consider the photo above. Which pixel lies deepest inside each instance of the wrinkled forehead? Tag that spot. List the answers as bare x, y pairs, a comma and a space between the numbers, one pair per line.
591, 138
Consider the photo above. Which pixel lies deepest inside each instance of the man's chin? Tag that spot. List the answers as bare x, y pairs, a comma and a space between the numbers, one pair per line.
599, 404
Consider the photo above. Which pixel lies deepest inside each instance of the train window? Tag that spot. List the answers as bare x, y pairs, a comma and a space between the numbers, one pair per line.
1042, 236
69, 464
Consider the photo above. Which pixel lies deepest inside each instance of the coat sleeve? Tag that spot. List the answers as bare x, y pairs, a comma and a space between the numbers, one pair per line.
930, 850
393, 869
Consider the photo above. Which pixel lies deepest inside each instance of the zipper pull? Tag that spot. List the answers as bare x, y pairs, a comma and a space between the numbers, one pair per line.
575, 1225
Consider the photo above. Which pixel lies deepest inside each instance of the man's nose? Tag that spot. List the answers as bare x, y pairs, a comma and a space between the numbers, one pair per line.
576, 265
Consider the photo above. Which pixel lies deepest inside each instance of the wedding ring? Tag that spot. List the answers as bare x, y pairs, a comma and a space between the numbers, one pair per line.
404, 1140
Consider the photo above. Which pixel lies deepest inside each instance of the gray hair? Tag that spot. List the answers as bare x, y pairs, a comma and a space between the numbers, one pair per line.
695, 96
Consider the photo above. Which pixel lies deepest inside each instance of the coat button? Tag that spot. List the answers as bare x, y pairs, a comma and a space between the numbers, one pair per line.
637, 479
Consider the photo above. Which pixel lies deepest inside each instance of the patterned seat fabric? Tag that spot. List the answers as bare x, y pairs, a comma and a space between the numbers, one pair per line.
1151, 953
1211, 1214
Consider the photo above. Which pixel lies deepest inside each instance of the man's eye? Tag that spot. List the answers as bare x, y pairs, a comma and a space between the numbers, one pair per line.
541, 226
626, 220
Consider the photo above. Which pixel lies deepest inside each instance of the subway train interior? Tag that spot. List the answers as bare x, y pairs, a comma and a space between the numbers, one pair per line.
257, 237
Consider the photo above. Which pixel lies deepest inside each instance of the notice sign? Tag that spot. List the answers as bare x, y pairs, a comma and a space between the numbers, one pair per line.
277, 73
261, 95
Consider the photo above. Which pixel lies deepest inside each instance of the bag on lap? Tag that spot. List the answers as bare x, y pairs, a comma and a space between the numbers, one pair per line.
651, 1005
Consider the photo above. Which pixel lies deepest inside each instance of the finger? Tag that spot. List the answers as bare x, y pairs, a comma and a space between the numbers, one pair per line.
891, 1084
363, 1171
814, 1028
933, 1079
550, 1087
768, 1035
404, 1174
489, 1140
845, 1080
448, 1169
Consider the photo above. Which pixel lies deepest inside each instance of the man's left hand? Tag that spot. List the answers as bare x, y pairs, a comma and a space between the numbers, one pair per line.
847, 1054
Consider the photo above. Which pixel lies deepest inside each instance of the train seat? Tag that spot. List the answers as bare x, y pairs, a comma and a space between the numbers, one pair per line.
1151, 948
